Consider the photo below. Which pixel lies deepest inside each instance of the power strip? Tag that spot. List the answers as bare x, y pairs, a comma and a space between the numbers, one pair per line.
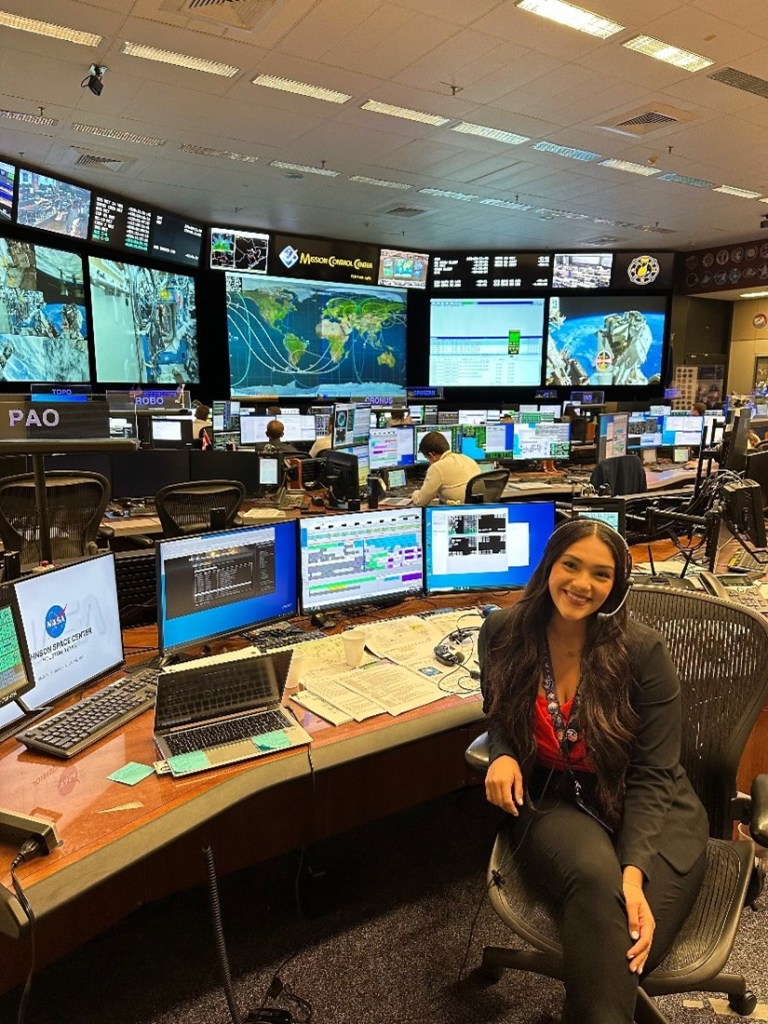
17, 828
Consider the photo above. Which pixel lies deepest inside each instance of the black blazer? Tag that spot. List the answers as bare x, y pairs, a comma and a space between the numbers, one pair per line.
662, 813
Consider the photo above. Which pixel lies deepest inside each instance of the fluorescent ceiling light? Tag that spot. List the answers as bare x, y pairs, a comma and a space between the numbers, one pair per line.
181, 60
627, 165
405, 112
660, 50
682, 179
113, 133
505, 204
572, 17
545, 211
753, 295
381, 182
741, 193
225, 153
17, 115
573, 154
442, 193
46, 28
316, 92
511, 138
305, 169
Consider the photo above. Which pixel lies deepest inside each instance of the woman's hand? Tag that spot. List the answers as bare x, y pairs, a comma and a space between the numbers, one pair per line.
639, 918
504, 784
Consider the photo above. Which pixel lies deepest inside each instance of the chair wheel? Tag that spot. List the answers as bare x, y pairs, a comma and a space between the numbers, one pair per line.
743, 1005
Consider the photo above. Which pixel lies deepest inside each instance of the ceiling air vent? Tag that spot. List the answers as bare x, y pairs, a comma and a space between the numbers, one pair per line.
405, 211
244, 14
105, 163
740, 80
645, 120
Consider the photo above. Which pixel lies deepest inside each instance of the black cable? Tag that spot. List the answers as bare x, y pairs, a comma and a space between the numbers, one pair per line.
28, 850
218, 934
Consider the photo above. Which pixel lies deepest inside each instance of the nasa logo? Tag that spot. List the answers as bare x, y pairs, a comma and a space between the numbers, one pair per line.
643, 270
289, 256
55, 620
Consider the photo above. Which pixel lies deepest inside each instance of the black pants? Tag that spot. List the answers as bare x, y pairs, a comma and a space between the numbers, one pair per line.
573, 858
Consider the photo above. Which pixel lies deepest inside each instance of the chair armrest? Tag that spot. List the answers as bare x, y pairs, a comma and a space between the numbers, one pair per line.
478, 754
759, 820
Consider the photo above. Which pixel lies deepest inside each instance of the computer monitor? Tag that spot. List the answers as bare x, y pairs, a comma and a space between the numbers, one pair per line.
253, 429
541, 440
587, 397
360, 557
644, 430
682, 430
351, 425
612, 435
15, 679
223, 465
170, 431
452, 436
475, 416
757, 470
390, 446
742, 510
213, 584
484, 547
142, 474
489, 441
341, 475
71, 623
270, 470
611, 511
360, 452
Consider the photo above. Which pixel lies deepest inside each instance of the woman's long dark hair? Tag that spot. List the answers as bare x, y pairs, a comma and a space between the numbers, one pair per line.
515, 658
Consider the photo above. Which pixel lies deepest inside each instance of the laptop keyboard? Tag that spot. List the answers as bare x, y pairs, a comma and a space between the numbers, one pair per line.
217, 734
273, 638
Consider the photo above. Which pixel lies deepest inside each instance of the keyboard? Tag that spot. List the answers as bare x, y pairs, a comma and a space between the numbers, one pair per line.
272, 638
291, 499
743, 559
72, 730
218, 733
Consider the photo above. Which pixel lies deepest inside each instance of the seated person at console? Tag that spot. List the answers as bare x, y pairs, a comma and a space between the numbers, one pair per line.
448, 473
275, 443
201, 421
324, 441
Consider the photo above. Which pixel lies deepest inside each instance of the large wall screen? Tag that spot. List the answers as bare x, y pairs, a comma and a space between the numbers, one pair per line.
298, 338
144, 324
43, 328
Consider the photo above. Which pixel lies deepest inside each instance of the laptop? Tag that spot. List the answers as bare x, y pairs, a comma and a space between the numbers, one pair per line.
223, 709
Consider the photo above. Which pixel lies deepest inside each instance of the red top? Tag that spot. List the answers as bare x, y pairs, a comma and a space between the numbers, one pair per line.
550, 755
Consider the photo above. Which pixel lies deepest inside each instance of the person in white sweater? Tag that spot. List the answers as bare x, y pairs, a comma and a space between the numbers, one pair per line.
448, 473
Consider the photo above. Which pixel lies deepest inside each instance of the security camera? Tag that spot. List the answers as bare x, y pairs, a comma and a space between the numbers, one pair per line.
93, 80
764, 222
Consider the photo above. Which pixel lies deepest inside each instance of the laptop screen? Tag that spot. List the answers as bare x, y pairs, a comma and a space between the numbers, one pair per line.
213, 584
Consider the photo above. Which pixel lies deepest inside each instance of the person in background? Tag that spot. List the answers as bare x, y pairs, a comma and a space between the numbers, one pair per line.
578, 424
274, 411
324, 441
400, 418
698, 409
201, 421
584, 718
275, 443
448, 473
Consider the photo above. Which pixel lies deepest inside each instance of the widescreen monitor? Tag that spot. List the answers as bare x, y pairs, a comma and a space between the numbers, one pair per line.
71, 623
214, 584
484, 547
253, 429
144, 324
546, 440
611, 511
15, 679
120, 223
606, 340
476, 416
361, 453
43, 323
757, 470
399, 269
644, 430
489, 441
582, 270
351, 424
612, 435
486, 342
243, 251
391, 446
360, 557
298, 338
682, 430
341, 474
7, 180
170, 431
53, 205
175, 239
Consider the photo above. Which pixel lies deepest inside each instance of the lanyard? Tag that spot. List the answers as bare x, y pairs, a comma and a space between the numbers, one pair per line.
566, 735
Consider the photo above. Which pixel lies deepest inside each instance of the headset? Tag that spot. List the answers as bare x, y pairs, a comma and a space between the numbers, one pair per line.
619, 599
446, 654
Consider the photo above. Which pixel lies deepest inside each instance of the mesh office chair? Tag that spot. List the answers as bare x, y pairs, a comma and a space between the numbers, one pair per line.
624, 474
489, 485
720, 651
76, 503
186, 508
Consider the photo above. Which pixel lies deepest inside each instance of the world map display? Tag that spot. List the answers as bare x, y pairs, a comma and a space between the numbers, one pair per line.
297, 338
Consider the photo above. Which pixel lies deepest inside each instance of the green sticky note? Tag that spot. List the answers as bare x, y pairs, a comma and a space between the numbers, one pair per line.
183, 764
277, 740
131, 773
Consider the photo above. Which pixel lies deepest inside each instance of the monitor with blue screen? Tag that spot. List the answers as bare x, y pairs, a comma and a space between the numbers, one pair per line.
360, 557
489, 441
213, 584
484, 547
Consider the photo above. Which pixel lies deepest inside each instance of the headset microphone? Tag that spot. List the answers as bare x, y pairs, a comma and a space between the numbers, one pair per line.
609, 615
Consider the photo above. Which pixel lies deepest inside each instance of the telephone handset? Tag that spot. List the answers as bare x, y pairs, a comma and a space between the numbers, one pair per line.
712, 585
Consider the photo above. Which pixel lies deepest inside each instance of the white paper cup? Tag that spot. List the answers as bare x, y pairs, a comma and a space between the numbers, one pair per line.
299, 664
354, 647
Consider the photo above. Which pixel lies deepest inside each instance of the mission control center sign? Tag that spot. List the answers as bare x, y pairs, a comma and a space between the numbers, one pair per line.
313, 259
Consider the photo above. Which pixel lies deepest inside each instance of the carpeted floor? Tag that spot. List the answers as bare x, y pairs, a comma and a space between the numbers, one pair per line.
388, 910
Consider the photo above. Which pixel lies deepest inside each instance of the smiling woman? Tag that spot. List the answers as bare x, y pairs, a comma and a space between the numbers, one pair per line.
584, 722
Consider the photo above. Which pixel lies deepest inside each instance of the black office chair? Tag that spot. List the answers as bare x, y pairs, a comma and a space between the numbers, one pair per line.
76, 503
720, 651
186, 508
486, 486
624, 474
